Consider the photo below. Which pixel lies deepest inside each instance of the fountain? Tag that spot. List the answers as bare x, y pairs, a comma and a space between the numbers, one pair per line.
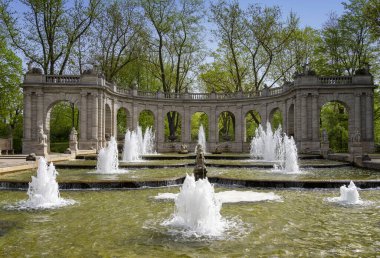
348, 195
202, 138
275, 147
136, 144
197, 210
43, 191
108, 158
131, 147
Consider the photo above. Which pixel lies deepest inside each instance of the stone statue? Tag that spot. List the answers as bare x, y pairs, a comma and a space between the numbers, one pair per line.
200, 167
183, 149
73, 135
325, 137
356, 136
42, 137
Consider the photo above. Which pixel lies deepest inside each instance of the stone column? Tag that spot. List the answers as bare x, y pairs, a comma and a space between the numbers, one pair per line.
316, 118
369, 117
101, 120
357, 110
95, 116
27, 116
186, 126
83, 116
303, 117
160, 125
238, 129
213, 126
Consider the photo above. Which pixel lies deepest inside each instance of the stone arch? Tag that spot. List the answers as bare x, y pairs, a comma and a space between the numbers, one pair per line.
290, 120
58, 134
252, 120
203, 119
226, 126
276, 118
334, 120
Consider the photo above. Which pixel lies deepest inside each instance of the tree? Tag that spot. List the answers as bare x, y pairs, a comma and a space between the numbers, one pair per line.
11, 98
50, 30
372, 13
118, 33
174, 46
346, 45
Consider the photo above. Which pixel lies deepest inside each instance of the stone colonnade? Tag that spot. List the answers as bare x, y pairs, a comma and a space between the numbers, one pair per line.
98, 102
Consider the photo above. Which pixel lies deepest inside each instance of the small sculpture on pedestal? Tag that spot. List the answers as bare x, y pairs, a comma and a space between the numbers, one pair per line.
200, 167
42, 137
183, 149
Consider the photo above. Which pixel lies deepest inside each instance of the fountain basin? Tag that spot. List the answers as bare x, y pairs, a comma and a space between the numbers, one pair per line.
128, 223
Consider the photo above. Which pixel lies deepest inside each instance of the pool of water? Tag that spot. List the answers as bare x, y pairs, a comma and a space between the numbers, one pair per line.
129, 223
338, 173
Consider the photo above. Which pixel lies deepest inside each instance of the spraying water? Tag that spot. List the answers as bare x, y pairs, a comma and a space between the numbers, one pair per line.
137, 144
108, 158
43, 191
348, 195
202, 138
277, 147
197, 210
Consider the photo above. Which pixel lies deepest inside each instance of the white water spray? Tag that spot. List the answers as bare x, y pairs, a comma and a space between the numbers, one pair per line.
108, 158
197, 210
202, 138
137, 144
275, 147
348, 195
43, 191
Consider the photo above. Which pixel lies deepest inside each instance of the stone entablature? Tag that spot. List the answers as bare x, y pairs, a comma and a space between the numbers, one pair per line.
98, 101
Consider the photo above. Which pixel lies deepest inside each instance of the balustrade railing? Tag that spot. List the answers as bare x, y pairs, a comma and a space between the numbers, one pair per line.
326, 80
62, 79
333, 80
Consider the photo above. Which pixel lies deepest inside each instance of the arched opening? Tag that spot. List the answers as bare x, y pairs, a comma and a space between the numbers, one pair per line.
334, 121
275, 118
226, 125
290, 116
173, 127
108, 121
61, 118
146, 119
252, 121
121, 123
198, 119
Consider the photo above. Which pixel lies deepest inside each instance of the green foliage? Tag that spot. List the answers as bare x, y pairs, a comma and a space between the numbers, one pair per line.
276, 120
146, 119
198, 119
334, 119
63, 117
226, 125
252, 121
11, 98
174, 134
59, 147
121, 123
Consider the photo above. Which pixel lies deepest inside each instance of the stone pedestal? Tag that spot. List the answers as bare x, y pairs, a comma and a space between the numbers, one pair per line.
325, 149
356, 150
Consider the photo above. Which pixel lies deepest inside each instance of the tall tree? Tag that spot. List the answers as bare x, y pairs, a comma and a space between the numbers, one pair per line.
118, 33
49, 30
347, 45
10, 91
174, 46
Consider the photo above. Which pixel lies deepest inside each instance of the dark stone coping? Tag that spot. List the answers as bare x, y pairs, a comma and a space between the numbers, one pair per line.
109, 184
192, 156
137, 166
